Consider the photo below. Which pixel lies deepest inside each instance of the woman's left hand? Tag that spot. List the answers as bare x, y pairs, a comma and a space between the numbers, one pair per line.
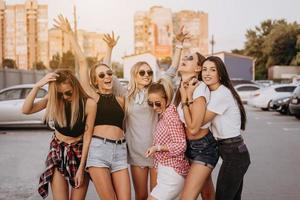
79, 176
63, 24
110, 40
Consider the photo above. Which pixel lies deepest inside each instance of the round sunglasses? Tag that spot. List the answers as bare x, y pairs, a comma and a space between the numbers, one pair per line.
102, 74
143, 72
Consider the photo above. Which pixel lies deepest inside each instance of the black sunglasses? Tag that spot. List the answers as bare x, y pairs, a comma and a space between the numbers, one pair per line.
143, 72
102, 74
156, 103
68, 93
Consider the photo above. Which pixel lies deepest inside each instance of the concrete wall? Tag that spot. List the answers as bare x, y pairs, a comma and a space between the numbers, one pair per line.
283, 72
10, 77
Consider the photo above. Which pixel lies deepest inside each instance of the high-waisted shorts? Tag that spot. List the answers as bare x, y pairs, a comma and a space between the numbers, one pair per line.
203, 151
107, 154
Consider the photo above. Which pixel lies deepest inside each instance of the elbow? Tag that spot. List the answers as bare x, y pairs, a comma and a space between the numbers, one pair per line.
25, 111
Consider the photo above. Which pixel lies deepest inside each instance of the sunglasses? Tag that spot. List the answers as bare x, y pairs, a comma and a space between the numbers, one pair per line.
156, 103
189, 58
102, 74
67, 93
143, 72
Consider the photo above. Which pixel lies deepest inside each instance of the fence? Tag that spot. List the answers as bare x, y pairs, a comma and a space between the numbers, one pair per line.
10, 77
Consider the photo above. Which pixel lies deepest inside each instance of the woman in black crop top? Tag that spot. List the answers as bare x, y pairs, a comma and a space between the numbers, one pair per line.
73, 113
107, 157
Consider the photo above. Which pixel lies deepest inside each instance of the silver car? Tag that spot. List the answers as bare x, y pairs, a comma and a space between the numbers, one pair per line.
11, 102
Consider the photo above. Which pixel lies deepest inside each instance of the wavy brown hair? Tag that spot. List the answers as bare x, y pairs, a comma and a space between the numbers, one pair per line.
164, 88
56, 105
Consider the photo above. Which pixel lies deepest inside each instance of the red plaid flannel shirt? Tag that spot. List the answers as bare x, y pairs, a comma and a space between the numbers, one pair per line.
170, 132
65, 158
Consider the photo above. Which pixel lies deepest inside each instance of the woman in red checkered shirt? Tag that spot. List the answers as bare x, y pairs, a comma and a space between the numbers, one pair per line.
169, 143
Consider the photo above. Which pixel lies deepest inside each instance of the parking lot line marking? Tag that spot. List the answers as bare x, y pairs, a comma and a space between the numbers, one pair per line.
291, 129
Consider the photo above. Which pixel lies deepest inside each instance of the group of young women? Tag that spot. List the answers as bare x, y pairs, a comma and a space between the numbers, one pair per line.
172, 141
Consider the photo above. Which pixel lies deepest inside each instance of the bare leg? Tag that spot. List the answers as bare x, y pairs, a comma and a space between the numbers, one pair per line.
208, 191
140, 182
153, 178
121, 182
80, 193
59, 186
195, 181
102, 181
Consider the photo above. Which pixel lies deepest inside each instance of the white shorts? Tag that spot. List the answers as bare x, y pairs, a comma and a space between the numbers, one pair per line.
169, 184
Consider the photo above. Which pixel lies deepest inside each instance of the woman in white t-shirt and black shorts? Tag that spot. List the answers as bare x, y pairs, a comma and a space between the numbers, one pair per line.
228, 117
191, 101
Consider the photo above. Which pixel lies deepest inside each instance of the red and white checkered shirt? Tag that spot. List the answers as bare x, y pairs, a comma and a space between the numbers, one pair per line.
170, 132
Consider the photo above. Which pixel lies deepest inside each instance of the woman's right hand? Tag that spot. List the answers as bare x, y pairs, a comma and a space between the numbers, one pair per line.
63, 24
46, 79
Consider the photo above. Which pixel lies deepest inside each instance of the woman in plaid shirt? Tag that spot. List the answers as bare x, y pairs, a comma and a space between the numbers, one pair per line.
169, 143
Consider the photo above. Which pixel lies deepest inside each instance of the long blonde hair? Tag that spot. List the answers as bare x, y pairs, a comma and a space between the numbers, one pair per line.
132, 86
56, 106
164, 88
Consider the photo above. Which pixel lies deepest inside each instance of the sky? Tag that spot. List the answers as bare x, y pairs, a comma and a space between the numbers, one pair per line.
228, 20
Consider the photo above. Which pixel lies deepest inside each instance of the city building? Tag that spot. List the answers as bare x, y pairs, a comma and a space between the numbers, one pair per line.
91, 43
154, 31
196, 23
24, 33
283, 72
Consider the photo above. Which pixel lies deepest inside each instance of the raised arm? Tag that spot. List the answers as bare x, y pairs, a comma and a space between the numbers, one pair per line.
29, 106
180, 38
110, 42
63, 24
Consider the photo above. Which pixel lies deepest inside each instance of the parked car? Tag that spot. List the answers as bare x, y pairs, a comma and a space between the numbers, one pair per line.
294, 105
246, 91
281, 105
11, 102
263, 97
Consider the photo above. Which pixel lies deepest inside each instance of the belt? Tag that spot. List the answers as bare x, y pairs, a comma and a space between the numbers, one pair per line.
230, 140
120, 141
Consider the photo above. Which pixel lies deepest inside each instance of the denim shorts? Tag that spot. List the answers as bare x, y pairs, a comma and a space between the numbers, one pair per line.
203, 151
108, 155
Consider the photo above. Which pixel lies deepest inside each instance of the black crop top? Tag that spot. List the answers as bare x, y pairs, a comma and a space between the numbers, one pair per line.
109, 111
78, 128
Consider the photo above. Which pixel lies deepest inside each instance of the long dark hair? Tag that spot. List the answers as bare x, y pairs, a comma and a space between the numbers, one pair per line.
200, 60
224, 80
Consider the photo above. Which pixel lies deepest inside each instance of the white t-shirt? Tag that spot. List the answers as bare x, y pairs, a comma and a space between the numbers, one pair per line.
200, 91
227, 122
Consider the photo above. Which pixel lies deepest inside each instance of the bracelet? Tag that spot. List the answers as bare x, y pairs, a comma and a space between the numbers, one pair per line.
179, 46
158, 147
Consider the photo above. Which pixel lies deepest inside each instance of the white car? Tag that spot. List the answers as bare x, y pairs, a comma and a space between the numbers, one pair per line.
264, 96
246, 91
11, 102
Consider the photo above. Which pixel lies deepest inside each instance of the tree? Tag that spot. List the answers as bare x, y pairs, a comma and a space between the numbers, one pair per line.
272, 43
39, 66
9, 63
68, 61
55, 61
118, 69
